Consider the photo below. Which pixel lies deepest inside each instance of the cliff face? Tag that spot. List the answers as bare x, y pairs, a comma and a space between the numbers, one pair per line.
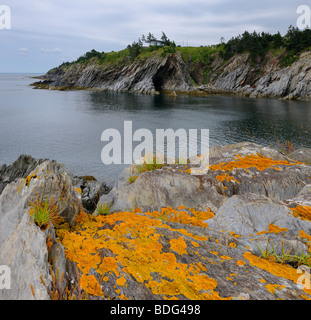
148, 75
171, 72
264, 79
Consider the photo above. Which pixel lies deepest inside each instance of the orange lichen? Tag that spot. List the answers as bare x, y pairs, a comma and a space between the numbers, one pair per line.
302, 212
273, 287
195, 244
226, 177
251, 161
121, 282
135, 241
241, 263
90, 284
49, 243
277, 269
81, 218
226, 257
195, 219
273, 229
233, 234
179, 245
303, 235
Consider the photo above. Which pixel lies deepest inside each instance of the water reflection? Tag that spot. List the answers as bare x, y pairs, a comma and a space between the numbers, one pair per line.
67, 125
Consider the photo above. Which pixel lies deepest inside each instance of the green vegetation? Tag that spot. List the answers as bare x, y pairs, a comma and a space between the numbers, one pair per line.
257, 44
102, 209
132, 179
43, 212
285, 257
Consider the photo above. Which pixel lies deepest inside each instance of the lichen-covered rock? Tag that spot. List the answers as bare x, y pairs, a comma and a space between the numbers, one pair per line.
172, 254
23, 246
232, 233
234, 170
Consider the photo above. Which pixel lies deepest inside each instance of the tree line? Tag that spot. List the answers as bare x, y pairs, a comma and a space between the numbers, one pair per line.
257, 44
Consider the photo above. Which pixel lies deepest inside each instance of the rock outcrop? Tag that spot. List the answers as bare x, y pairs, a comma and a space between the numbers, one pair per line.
23, 246
170, 72
150, 75
238, 232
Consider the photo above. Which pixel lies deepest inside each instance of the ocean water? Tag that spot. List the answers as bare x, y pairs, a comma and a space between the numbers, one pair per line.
67, 125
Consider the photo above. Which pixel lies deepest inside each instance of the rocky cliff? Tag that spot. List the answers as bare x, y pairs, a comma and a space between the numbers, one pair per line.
240, 231
180, 72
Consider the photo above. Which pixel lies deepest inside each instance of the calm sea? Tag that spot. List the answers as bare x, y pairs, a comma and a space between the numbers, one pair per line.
67, 125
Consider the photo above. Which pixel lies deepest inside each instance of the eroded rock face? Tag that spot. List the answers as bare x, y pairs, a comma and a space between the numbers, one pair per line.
145, 76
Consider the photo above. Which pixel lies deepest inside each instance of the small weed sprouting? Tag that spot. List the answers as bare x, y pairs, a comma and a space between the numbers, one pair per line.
285, 257
286, 147
102, 209
43, 212
132, 179
57, 292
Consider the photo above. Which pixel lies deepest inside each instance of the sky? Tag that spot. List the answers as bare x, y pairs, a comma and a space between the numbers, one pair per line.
46, 33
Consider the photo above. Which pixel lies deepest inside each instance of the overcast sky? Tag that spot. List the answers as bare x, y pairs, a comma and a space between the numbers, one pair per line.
45, 33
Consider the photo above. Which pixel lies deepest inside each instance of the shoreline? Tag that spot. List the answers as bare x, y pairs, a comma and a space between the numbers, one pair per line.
171, 93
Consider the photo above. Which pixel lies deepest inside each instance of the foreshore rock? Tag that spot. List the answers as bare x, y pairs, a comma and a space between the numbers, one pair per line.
234, 233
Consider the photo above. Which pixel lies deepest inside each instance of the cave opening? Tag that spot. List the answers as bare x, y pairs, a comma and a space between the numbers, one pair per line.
161, 77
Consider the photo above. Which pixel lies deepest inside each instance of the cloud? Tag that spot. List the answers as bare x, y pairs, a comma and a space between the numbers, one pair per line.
23, 51
56, 29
